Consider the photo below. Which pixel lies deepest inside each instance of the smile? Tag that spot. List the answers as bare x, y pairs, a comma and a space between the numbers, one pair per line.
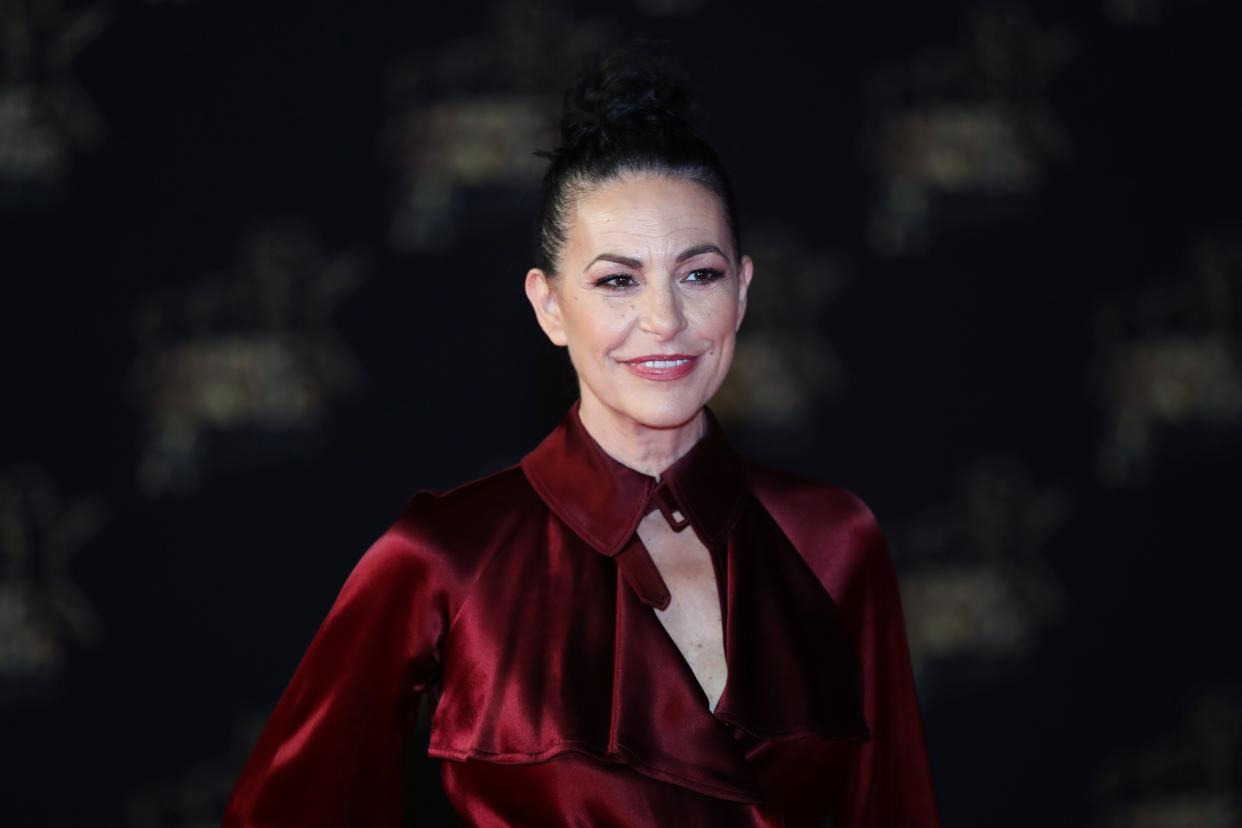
662, 368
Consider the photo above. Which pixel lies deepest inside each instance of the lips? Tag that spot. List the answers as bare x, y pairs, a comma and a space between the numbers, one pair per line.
662, 367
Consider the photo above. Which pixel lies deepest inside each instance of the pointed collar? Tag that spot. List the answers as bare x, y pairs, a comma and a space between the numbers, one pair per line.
602, 500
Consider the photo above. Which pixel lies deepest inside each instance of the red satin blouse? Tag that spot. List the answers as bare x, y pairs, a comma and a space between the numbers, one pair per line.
522, 602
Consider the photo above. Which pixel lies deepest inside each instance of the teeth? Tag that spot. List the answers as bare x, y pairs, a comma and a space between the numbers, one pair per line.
663, 363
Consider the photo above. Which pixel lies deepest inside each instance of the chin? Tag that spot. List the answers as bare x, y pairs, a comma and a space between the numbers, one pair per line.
662, 413
650, 404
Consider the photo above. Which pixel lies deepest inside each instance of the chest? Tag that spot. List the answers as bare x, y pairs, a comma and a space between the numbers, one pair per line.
693, 618
553, 651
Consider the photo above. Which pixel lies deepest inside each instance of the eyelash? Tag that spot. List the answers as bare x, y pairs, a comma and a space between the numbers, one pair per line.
607, 281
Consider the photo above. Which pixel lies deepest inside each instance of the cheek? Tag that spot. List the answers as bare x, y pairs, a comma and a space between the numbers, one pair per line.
598, 327
715, 320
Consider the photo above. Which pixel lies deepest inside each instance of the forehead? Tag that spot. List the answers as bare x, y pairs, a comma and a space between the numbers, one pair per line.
651, 214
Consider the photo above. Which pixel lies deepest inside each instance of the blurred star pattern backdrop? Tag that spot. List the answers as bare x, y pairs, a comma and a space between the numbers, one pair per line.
261, 282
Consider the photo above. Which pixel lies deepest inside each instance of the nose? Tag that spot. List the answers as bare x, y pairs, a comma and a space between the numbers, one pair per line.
661, 312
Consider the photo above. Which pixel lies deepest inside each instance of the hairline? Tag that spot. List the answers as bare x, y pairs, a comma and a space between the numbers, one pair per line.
579, 185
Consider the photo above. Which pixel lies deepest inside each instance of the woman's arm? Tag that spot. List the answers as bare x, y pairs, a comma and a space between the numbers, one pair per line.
332, 751
889, 782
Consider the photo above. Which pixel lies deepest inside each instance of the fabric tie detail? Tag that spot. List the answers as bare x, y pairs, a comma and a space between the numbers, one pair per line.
640, 570
662, 496
635, 561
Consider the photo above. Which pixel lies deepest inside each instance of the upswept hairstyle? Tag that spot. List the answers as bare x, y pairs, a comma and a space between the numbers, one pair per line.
628, 115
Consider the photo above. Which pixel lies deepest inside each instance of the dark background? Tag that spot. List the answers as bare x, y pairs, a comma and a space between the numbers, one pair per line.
261, 281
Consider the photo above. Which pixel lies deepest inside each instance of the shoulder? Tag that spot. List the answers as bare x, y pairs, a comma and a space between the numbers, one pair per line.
833, 529
470, 512
817, 509
453, 531
793, 491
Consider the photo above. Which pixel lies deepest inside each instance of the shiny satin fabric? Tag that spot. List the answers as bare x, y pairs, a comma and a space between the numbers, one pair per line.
523, 603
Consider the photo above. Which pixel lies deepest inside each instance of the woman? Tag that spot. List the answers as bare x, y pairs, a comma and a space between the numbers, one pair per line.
633, 625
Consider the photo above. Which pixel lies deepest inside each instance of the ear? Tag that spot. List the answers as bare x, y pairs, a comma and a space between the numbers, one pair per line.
541, 291
744, 273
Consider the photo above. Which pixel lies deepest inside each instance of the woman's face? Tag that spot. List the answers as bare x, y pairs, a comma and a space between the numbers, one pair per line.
649, 297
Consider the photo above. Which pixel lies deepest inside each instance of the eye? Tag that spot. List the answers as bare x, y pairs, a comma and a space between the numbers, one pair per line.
704, 275
615, 281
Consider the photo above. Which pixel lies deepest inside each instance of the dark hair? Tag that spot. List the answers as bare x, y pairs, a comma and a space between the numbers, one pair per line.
630, 114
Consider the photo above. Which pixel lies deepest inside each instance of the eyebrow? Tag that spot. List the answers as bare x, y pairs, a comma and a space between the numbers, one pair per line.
628, 261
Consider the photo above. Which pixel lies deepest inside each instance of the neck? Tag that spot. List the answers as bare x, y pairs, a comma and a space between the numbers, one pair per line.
647, 449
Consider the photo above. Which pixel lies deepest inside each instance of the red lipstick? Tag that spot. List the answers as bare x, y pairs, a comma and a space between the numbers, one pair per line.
662, 367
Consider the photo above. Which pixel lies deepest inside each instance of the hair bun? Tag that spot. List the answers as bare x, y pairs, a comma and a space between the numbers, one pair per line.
630, 92
627, 115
